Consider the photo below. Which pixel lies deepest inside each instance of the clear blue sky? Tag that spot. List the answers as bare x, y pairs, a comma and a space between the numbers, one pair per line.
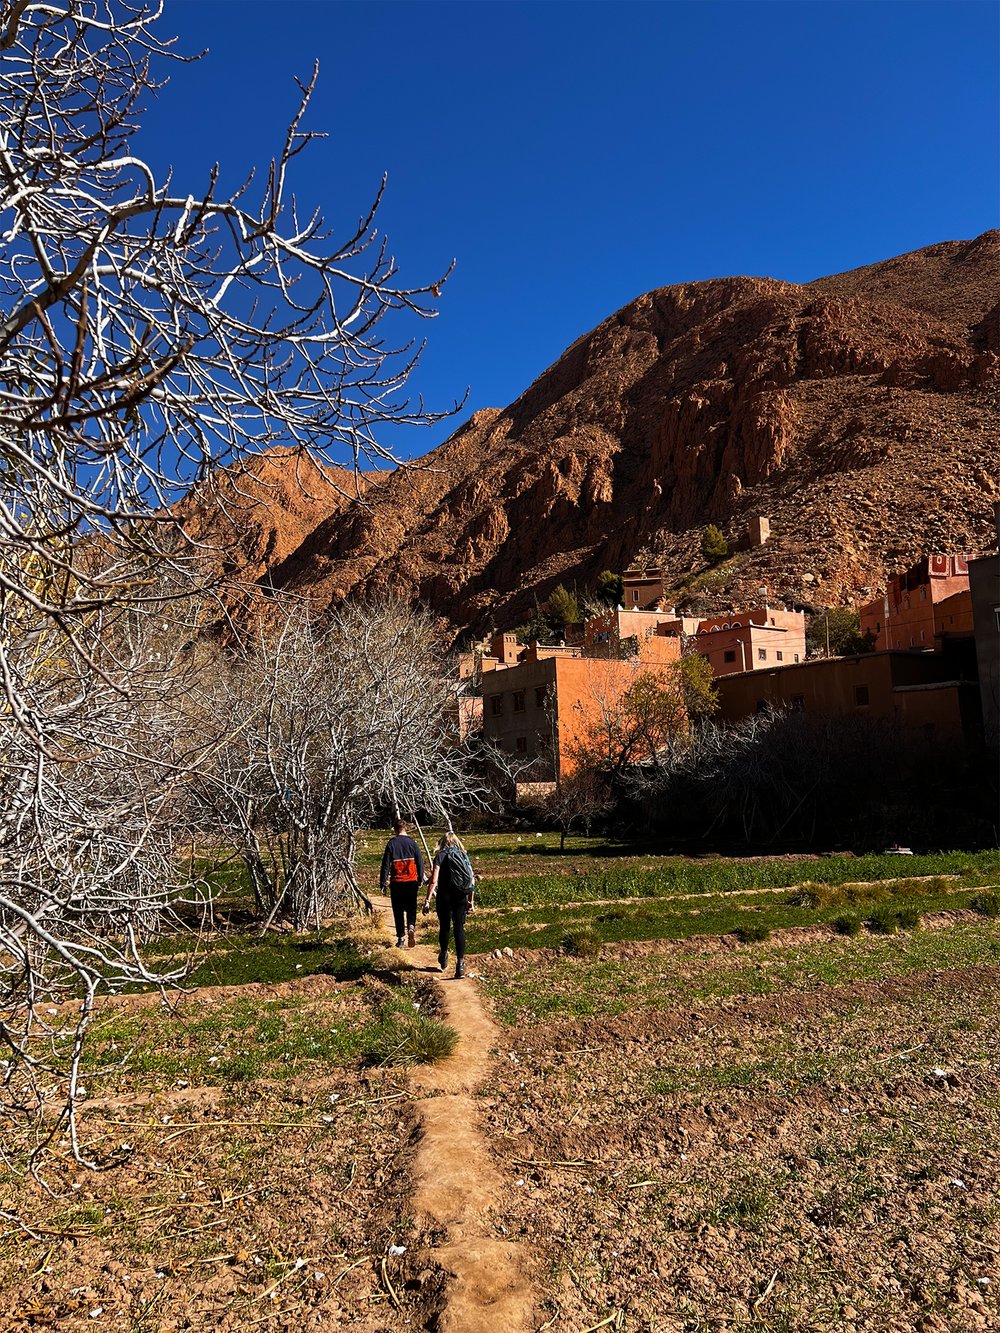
572, 155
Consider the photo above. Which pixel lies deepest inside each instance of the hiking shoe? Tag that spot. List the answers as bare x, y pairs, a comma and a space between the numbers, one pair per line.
442, 961
459, 969
411, 937
400, 941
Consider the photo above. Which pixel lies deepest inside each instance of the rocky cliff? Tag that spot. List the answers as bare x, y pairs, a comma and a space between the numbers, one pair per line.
858, 413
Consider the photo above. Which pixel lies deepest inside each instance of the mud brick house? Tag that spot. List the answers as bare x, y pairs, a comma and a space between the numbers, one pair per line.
922, 606
984, 587
917, 688
540, 707
647, 634
643, 589
754, 640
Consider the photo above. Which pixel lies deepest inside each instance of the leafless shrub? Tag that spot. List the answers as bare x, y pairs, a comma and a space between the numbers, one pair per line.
323, 728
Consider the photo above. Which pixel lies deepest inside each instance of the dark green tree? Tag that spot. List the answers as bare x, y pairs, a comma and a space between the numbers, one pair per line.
837, 632
610, 588
563, 609
714, 546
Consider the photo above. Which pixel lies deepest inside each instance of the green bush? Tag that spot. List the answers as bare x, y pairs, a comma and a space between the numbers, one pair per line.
405, 1039
846, 925
713, 544
753, 934
582, 944
908, 918
887, 919
986, 904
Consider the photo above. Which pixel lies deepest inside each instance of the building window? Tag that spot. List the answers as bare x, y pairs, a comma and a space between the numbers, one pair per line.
519, 701
761, 654
521, 745
861, 695
923, 594
496, 705
541, 694
798, 703
911, 641
780, 655
796, 657
921, 636
729, 655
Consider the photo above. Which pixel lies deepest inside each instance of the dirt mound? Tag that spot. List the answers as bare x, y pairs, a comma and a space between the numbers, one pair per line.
856, 412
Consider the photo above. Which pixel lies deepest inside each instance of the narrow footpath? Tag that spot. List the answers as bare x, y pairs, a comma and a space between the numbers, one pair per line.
455, 1179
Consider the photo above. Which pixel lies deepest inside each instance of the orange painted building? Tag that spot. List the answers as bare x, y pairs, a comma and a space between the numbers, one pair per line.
754, 640
649, 634
922, 605
542, 707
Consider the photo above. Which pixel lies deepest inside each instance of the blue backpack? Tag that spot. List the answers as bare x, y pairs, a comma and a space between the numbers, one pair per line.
455, 877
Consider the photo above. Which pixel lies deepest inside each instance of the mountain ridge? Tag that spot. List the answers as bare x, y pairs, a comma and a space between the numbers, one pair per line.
855, 412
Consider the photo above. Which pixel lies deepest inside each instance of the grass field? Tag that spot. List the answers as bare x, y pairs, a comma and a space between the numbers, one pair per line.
757, 1094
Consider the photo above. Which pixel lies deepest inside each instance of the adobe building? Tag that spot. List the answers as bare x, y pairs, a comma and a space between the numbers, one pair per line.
984, 591
542, 707
630, 633
643, 589
754, 640
922, 606
916, 688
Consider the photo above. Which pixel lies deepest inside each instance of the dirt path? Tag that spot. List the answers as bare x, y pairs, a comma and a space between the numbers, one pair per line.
456, 1182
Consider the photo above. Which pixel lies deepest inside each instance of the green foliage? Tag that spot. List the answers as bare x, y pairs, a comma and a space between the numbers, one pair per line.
563, 609
663, 876
845, 924
754, 933
610, 588
986, 904
582, 944
714, 546
887, 919
845, 635
701, 697
412, 1039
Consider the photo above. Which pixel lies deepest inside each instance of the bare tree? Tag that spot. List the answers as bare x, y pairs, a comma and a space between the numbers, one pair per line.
322, 729
148, 333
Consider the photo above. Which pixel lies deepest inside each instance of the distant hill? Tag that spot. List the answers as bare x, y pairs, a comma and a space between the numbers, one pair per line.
858, 413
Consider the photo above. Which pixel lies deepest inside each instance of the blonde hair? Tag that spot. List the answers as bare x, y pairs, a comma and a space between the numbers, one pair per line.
449, 840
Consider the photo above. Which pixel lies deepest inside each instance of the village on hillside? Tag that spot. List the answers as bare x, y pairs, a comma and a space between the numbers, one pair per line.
931, 648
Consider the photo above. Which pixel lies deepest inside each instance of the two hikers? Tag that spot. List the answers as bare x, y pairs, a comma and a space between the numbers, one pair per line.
402, 873
452, 883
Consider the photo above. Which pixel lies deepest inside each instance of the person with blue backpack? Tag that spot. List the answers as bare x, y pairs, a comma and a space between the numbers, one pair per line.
452, 883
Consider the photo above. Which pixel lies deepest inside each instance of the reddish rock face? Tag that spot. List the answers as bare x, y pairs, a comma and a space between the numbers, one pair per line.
856, 412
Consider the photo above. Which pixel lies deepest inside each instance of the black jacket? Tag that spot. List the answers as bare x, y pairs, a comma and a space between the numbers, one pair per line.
399, 852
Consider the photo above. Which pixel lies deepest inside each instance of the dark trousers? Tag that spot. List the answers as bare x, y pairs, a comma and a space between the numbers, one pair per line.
451, 917
404, 907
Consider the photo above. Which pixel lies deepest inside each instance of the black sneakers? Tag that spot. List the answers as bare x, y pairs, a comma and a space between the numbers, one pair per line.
459, 969
442, 961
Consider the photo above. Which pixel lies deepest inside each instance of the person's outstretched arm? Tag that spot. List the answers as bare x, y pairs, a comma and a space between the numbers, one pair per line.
383, 877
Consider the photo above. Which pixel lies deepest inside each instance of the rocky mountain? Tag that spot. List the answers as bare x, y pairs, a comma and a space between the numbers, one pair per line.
858, 413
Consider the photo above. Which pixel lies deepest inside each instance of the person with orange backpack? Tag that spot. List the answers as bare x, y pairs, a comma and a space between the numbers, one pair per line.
403, 873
